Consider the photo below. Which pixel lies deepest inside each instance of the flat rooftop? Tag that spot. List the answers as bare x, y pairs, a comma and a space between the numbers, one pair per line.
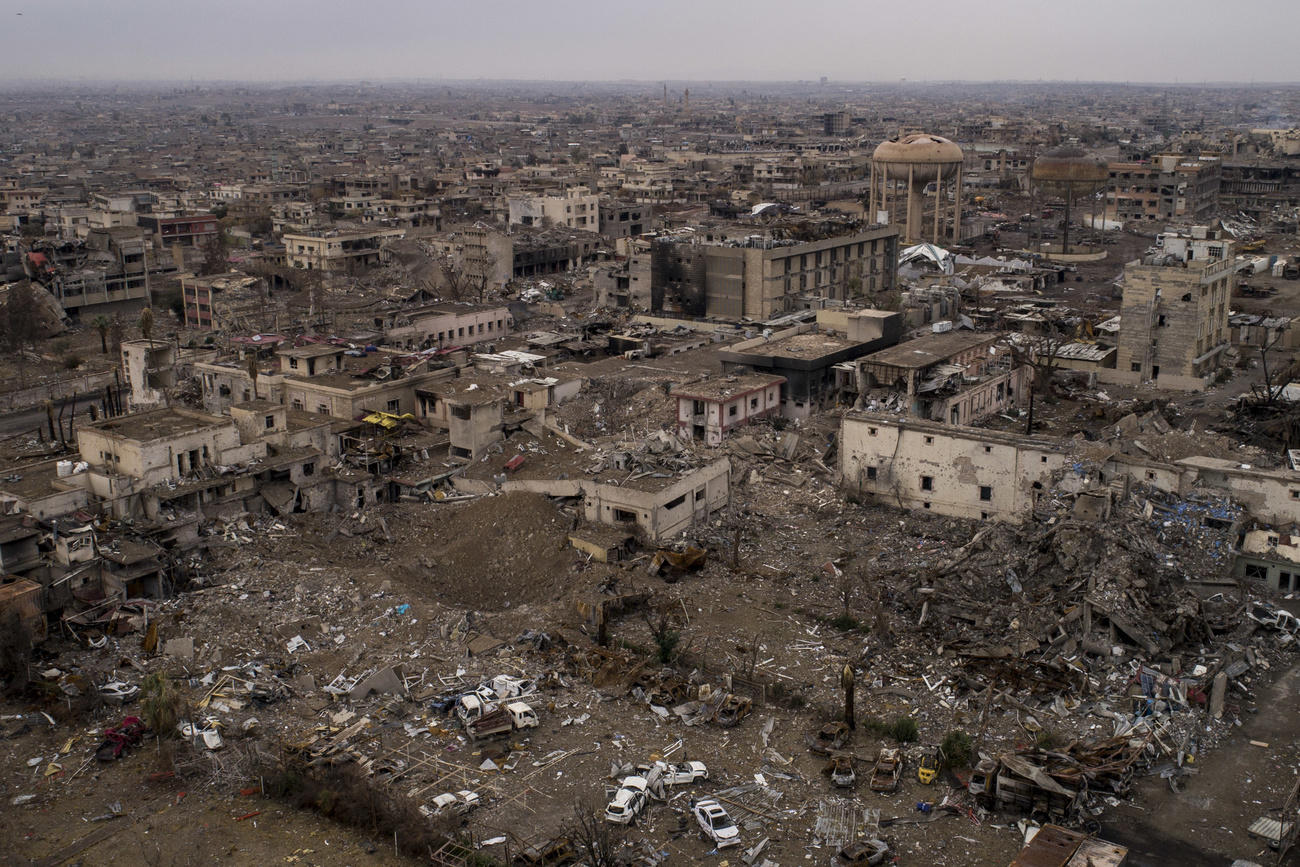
811, 344
311, 350
929, 349
721, 388
158, 424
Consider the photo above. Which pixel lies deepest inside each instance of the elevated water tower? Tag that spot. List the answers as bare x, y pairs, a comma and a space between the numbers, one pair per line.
1068, 173
903, 168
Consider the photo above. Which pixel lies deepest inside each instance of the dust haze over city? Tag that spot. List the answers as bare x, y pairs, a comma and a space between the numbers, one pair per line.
571, 433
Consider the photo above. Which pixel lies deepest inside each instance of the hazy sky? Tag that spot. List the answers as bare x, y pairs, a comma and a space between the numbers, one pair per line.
858, 40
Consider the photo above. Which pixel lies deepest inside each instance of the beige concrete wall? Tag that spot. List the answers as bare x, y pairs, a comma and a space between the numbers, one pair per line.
958, 462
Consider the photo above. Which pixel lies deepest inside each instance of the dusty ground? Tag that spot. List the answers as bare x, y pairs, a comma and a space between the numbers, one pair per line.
341, 582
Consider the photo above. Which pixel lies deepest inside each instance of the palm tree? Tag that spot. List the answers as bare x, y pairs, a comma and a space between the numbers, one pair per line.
101, 324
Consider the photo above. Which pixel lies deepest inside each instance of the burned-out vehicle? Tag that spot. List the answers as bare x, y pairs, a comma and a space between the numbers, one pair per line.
887, 770
829, 738
840, 769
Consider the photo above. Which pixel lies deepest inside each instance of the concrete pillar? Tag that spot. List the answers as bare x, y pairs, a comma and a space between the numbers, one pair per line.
956, 209
871, 197
915, 206
1218, 691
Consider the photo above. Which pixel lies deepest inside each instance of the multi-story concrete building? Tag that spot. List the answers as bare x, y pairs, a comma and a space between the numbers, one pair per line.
194, 230
625, 219
759, 279
114, 277
1169, 187
806, 355
959, 377
337, 251
575, 208
218, 302
150, 369
1174, 313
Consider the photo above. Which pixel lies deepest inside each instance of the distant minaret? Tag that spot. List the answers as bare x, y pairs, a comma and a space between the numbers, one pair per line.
665, 96
686, 101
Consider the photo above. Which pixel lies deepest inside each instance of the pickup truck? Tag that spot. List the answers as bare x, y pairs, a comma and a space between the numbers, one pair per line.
473, 705
505, 719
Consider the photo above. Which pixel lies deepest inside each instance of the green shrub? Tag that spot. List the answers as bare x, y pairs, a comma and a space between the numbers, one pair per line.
846, 622
957, 749
904, 730
667, 641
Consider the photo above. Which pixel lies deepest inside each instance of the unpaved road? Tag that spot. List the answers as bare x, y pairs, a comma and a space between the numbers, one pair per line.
1206, 823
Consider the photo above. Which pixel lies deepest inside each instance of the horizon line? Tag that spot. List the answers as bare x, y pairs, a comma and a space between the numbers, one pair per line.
17, 82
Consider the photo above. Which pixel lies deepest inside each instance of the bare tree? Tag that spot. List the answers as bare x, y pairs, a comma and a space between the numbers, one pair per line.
1041, 352
19, 324
481, 281
455, 281
1276, 376
214, 259
593, 838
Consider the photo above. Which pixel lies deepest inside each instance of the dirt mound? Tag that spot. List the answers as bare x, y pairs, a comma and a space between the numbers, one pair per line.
496, 550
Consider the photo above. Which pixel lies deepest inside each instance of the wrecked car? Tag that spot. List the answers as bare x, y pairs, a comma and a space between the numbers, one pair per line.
554, 853
457, 803
887, 771
628, 802
715, 824
840, 768
681, 773
504, 686
863, 852
733, 709
828, 738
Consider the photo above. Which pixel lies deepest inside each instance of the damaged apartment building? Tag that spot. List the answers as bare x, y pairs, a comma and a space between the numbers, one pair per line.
1174, 314
958, 377
805, 355
990, 475
756, 277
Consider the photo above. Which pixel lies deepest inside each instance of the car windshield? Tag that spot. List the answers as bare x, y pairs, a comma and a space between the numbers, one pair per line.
720, 822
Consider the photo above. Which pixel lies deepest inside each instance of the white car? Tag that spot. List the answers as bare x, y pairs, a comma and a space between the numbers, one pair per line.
628, 802
715, 823
452, 802
681, 773
504, 686
119, 691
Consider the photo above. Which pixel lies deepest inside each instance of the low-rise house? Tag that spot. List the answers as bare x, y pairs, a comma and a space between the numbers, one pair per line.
1270, 557
445, 325
19, 548
708, 409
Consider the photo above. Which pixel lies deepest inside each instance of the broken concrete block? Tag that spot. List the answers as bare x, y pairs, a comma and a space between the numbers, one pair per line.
1218, 691
386, 680
181, 648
